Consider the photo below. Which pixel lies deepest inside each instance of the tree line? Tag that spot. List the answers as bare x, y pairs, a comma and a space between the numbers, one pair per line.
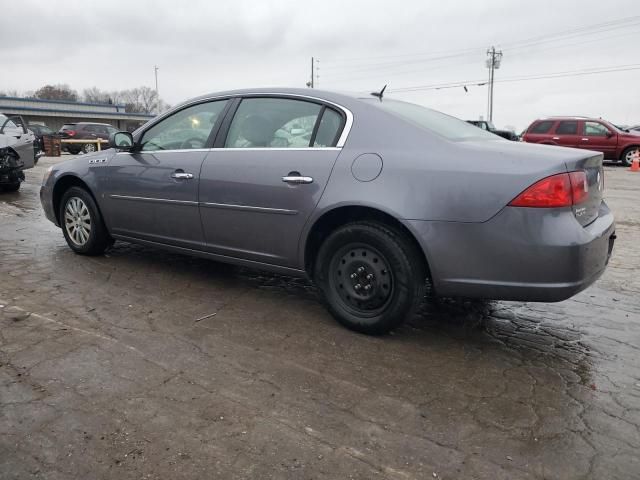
136, 100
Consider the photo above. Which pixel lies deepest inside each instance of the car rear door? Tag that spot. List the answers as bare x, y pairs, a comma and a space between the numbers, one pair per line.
260, 186
597, 136
152, 192
566, 134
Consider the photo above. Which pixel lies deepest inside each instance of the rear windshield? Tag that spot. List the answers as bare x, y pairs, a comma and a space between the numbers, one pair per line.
445, 125
68, 126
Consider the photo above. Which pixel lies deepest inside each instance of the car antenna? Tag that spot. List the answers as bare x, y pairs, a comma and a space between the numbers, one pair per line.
380, 93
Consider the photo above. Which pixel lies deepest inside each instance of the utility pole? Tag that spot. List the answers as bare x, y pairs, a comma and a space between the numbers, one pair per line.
313, 81
493, 63
156, 68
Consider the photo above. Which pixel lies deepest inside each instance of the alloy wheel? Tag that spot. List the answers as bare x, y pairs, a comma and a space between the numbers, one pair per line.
77, 221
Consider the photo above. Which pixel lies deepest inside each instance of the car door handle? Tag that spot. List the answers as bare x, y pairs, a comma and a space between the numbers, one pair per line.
182, 175
296, 179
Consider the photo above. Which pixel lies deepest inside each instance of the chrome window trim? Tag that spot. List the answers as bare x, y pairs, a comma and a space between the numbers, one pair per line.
248, 208
154, 200
240, 149
341, 140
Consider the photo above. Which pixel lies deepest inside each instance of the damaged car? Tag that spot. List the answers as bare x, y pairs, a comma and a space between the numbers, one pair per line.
16, 152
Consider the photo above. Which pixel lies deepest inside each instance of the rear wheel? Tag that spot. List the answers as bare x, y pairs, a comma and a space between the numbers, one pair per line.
629, 154
74, 150
372, 277
89, 147
82, 223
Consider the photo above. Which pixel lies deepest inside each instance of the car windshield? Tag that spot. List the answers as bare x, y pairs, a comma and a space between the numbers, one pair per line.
437, 122
6, 123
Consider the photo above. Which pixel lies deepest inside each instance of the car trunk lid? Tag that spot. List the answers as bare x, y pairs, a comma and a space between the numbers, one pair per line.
587, 211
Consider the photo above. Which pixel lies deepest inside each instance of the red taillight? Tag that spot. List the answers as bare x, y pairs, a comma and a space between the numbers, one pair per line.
71, 133
562, 190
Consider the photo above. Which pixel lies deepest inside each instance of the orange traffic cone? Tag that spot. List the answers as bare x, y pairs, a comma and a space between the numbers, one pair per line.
635, 164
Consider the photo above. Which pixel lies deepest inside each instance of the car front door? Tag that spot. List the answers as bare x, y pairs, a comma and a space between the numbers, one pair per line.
567, 134
152, 192
597, 136
259, 188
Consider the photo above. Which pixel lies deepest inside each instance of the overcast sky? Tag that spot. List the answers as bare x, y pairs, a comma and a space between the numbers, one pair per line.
206, 46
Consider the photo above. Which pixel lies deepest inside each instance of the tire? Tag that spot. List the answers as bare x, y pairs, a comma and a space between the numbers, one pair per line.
371, 276
82, 223
10, 187
74, 150
627, 155
89, 148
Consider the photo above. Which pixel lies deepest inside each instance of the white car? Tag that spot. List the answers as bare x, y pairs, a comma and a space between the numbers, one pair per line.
16, 151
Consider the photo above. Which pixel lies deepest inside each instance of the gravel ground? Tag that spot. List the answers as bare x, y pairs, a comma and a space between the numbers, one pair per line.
141, 364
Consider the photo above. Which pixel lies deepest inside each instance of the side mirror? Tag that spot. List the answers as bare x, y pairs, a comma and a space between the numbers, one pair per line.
121, 141
609, 134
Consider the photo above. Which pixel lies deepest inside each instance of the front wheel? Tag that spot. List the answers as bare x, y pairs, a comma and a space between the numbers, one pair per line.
82, 223
371, 276
629, 154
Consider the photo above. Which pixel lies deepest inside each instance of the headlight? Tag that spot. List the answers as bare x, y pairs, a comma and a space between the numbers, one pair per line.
47, 174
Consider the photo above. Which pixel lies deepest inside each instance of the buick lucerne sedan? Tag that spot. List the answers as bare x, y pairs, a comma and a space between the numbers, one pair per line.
370, 197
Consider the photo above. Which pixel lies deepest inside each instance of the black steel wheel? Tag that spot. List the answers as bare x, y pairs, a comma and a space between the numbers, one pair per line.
371, 276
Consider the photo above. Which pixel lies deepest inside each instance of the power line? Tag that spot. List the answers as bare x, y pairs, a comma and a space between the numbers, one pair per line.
587, 30
482, 82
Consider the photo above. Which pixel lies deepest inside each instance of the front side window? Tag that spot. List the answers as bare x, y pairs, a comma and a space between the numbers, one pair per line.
595, 129
273, 123
567, 127
186, 129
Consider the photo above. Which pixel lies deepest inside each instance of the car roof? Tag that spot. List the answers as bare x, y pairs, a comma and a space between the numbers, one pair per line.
341, 98
570, 117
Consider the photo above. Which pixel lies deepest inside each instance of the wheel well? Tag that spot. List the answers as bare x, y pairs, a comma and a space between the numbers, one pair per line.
333, 219
630, 147
64, 184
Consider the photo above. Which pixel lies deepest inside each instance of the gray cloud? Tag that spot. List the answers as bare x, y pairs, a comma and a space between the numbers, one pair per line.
205, 46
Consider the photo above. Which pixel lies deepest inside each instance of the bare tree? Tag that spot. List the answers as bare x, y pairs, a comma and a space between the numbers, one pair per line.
57, 92
95, 95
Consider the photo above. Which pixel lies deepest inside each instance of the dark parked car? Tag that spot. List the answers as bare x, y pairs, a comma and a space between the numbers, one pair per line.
586, 133
489, 127
40, 131
381, 197
82, 131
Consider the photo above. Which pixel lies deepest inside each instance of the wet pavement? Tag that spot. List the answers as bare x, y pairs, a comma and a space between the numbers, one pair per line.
142, 364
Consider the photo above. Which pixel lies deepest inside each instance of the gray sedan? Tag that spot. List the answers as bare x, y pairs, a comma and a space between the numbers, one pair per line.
369, 197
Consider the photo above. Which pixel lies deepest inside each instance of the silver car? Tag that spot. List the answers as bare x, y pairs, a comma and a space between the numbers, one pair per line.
369, 197
16, 151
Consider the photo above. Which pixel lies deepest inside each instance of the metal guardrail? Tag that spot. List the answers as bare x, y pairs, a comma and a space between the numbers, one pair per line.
97, 141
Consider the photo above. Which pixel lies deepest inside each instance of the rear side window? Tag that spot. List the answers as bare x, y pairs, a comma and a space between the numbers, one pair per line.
328, 130
541, 127
567, 127
273, 123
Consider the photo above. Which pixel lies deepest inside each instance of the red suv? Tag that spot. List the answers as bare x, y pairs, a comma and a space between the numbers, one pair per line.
588, 133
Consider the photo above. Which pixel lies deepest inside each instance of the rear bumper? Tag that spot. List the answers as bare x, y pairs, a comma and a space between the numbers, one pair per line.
523, 254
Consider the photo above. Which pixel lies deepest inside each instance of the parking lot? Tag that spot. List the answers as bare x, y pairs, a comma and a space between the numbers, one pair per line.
144, 364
